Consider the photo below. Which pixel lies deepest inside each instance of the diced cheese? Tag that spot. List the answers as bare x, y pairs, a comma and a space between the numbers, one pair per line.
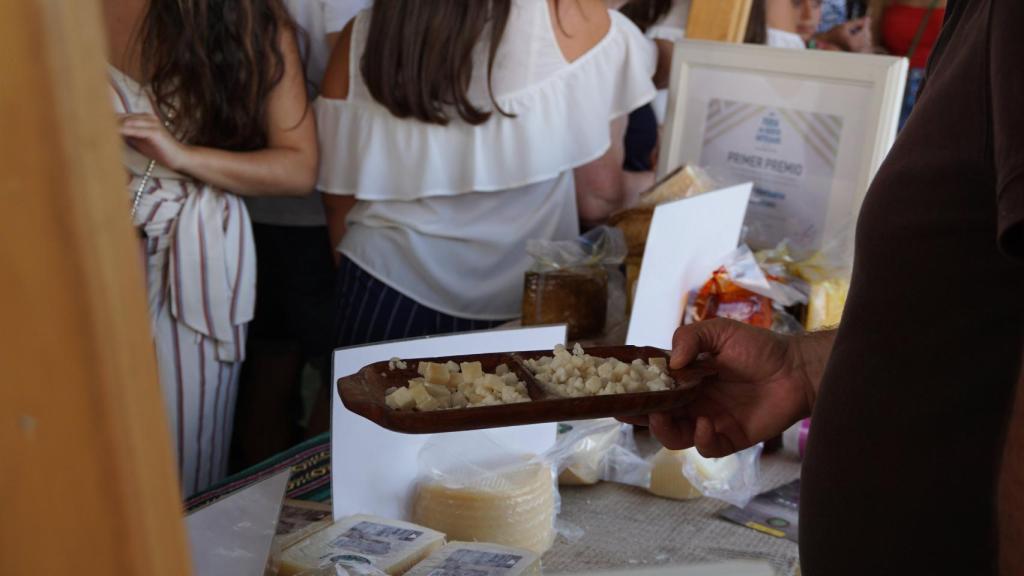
400, 399
472, 558
472, 371
387, 545
659, 363
580, 374
516, 508
438, 390
437, 373
419, 392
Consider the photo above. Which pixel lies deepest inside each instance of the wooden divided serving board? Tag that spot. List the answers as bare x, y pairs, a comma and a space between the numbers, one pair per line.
363, 393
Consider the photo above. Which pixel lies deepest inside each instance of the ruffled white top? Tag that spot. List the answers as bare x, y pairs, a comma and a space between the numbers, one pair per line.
444, 212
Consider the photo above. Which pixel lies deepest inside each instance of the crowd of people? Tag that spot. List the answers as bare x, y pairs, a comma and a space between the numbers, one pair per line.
308, 174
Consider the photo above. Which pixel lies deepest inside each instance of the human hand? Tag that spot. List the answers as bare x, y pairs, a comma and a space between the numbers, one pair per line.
851, 36
761, 387
147, 134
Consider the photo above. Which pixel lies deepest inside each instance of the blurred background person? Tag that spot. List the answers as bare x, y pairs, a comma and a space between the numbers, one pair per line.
213, 107
908, 28
437, 172
290, 337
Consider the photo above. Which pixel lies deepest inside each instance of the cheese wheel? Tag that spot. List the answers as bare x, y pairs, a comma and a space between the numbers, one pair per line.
479, 558
667, 479
388, 545
514, 508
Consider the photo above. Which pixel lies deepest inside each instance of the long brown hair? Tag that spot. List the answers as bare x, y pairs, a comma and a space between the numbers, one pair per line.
418, 59
757, 24
211, 65
646, 13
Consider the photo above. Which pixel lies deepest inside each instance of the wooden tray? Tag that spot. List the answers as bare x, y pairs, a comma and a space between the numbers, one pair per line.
363, 393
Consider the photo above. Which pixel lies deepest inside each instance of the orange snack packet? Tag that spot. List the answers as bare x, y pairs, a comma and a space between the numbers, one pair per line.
721, 298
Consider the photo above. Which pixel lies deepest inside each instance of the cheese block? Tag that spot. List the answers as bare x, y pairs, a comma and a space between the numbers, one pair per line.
667, 479
712, 469
388, 545
513, 508
299, 519
478, 558
826, 302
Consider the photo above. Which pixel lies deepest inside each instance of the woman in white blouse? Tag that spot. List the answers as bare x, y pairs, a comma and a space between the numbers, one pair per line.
451, 134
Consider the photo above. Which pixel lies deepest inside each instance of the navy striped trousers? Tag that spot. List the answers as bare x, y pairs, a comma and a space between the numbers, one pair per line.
367, 311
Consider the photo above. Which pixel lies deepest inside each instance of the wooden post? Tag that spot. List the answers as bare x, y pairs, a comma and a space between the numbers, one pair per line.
88, 484
720, 20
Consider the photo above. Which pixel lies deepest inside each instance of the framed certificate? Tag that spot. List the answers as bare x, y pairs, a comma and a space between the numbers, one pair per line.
809, 128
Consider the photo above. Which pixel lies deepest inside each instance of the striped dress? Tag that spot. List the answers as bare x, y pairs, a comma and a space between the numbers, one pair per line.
201, 280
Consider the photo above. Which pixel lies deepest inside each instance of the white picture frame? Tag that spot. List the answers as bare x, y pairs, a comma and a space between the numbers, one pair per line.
865, 92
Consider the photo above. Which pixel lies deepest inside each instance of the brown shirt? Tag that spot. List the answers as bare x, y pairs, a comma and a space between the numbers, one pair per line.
907, 434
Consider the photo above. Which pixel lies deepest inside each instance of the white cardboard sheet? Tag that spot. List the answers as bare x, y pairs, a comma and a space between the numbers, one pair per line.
232, 536
687, 241
373, 469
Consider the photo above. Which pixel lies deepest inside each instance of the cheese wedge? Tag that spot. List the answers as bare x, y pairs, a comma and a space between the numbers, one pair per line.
667, 479
474, 558
388, 545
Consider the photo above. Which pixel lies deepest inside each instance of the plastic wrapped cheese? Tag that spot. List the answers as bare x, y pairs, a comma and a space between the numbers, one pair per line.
509, 504
299, 519
478, 559
586, 445
388, 545
667, 479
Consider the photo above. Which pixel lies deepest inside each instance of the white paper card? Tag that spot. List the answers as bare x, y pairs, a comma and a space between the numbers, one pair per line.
373, 469
686, 242
232, 536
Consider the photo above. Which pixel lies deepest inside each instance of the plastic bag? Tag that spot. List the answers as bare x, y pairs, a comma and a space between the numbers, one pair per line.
749, 291
684, 182
473, 488
826, 277
568, 281
735, 478
591, 451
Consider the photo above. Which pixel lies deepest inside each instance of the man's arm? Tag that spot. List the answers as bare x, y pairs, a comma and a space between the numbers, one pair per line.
763, 383
1011, 492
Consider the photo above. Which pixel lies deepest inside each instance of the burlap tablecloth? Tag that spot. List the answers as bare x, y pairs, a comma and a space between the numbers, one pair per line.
624, 526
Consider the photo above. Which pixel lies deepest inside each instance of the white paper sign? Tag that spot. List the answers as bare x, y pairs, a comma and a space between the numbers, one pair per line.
373, 469
791, 157
686, 242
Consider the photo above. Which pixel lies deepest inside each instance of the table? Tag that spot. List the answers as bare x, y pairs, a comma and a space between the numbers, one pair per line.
626, 526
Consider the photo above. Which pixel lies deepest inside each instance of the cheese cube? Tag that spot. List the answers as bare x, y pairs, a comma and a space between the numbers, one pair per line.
659, 363
437, 373
471, 371
438, 390
388, 545
419, 392
400, 399
455, 380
